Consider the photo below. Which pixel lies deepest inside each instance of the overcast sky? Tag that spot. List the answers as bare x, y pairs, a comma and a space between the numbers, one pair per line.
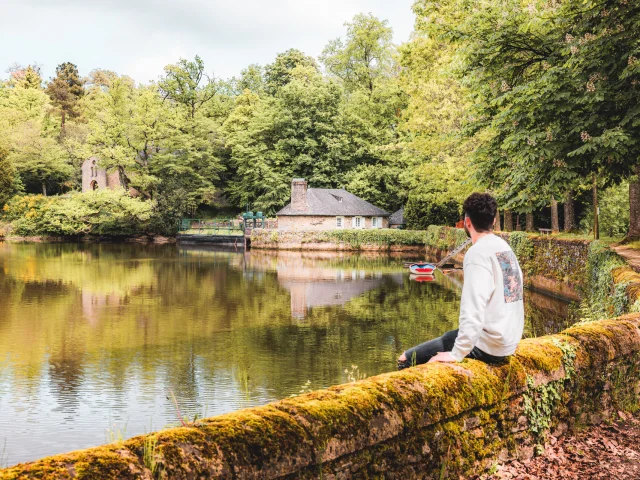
139, 37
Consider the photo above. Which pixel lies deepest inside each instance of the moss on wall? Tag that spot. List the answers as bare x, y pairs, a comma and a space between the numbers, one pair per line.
419, 423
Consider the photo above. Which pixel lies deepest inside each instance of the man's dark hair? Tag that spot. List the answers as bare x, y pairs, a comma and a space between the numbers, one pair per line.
481, 208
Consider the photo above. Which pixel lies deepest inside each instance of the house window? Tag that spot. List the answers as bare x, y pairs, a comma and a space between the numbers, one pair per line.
339, 222
376, 222
357, 222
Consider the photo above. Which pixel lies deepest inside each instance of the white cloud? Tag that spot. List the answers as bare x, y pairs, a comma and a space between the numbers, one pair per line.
139, 37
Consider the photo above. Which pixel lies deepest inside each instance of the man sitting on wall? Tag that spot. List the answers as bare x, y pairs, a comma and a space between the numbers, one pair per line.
491, 308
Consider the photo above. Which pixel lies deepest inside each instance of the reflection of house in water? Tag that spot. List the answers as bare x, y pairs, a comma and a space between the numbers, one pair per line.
94, 303
315, 287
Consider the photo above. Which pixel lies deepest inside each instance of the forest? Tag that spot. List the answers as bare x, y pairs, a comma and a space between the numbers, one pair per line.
536, 102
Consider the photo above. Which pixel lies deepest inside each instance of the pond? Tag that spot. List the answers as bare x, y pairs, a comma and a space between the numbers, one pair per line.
96, 341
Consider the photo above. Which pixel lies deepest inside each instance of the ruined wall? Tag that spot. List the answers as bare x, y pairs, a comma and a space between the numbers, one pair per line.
431, 421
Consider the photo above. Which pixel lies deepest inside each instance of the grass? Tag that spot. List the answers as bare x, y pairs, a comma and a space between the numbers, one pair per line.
116, 434
149, 454
584, 236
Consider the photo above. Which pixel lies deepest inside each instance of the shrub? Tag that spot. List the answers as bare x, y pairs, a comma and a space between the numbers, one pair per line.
420, 212
103, 212
444, 238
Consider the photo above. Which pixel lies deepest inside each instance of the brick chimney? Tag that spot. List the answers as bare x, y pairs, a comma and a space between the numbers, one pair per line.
299, 195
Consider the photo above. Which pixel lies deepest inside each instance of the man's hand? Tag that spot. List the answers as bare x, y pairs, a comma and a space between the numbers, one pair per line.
444, 357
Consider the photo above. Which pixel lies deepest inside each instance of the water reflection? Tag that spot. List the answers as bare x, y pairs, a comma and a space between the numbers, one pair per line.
97, 335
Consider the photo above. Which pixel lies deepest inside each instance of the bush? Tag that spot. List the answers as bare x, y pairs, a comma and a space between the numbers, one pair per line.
444, 238
420, 212
103, 212
385, 236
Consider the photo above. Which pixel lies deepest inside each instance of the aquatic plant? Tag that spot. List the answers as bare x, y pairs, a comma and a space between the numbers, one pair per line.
354, 374
149, 453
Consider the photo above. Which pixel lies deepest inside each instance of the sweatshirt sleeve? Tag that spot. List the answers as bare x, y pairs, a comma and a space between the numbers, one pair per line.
476, 292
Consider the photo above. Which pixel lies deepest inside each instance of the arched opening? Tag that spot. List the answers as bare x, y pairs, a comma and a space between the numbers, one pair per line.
94, 185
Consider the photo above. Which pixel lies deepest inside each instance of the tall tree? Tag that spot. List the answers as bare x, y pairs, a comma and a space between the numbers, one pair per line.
65, 91
186, 83
365, 57
278, 73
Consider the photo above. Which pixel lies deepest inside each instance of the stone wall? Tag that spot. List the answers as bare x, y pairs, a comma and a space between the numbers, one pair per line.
556, 266
431, 421
288, 223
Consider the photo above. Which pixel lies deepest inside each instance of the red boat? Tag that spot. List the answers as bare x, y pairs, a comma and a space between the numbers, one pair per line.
422, 278
422, 268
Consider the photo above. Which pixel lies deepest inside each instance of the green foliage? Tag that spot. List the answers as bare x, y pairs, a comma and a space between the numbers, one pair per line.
356, 238
65, 91
365, 57
8, 183
103, 212
613, 204
279, 73
601, 297
444, 238
541, 401
421, 212
522, 246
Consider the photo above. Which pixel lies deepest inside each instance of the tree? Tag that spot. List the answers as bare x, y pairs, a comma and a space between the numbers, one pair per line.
186, 83
39, 159
365, 57
8, 179
252, 78
278, 73
574, 63
66, 90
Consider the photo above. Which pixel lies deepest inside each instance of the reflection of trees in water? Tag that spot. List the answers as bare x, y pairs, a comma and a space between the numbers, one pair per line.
178, 320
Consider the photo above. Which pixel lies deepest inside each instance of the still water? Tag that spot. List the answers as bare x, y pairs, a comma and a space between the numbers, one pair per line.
95, 340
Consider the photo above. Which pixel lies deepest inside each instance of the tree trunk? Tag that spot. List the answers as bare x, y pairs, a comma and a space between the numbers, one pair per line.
569, 213
508, 221
555, 222
496, 226
596, 227
529, 226
518, 225
634, 205
44, 189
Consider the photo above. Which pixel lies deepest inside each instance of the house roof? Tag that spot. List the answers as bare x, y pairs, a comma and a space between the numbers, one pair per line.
397, 218
334, 202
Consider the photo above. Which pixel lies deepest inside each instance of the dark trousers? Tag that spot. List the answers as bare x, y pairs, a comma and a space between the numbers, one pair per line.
423, 352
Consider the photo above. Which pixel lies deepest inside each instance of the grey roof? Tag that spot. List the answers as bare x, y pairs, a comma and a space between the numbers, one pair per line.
397, 218
335, 202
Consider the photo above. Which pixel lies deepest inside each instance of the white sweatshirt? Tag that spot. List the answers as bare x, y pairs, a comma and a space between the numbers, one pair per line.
491, 307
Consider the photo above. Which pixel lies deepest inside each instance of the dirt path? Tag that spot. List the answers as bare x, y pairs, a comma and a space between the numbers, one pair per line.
601, 452
631, 255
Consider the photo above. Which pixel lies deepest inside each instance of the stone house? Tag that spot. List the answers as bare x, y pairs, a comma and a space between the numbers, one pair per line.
96, 178
328, 209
